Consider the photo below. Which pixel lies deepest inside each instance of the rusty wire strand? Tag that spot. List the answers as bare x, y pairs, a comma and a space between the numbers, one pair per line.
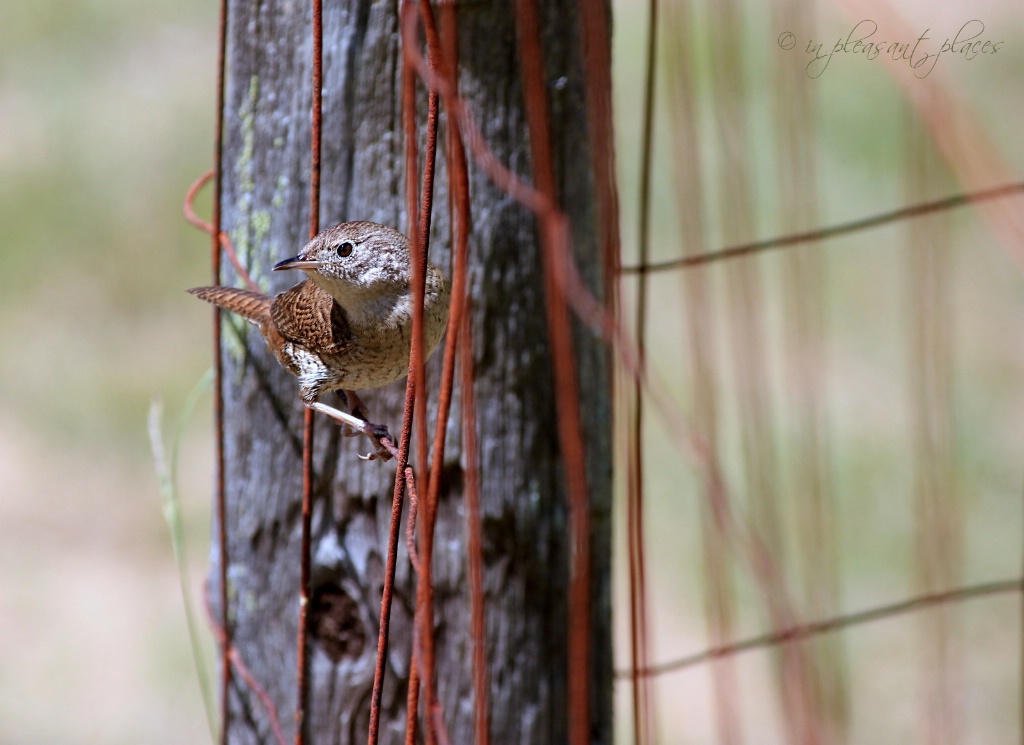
302, 642
387, 594
815, 628
834, 231
189, 207
474, 530
596, 35
218, 375
419, 236
635, 470
459, 209
226, 246
410, 528
238, 664
408, 88
424, 592
556, 253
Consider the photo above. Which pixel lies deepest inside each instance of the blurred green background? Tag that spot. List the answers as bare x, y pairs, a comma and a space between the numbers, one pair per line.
106, 117
859, 140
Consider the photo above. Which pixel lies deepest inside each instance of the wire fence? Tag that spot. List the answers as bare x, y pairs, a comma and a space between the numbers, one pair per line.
770, 514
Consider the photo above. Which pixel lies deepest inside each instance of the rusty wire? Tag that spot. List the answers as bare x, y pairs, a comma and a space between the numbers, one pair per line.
419, 236
238, 665
828, 625
424, 620
218, 396
459, 207
302, 641
416, 367
226, 246
387, 594
474, 548
596, 39
474, 529
301, 719
810, 236
642, 725
421, 666
554, 235
594, 18
410, 527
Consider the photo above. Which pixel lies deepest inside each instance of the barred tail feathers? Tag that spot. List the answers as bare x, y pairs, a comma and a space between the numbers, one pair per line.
252, 306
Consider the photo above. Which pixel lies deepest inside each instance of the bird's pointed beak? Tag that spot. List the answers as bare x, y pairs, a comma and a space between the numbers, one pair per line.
296, 262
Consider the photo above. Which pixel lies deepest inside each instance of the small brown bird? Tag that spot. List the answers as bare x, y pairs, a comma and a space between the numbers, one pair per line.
349, 326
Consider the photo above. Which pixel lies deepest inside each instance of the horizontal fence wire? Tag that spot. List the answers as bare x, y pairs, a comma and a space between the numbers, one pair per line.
815, 628
820, 234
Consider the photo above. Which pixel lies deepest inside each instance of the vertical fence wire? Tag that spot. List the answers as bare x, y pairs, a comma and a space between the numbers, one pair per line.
423, 634
413, 385
555, 249
459, 207
407, 13
415, 401
391, 564
302, 689
460, 220
642, 723
218, 390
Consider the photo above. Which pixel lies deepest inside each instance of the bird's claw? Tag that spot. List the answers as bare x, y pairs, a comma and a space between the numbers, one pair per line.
385, 443
352, 426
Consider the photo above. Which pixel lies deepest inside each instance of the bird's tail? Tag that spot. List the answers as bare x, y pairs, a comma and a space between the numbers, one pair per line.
252, 306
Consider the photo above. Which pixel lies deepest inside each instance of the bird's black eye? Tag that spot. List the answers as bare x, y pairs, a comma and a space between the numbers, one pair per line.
345, 248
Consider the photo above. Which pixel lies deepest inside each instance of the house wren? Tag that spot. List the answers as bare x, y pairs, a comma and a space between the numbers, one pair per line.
349, 326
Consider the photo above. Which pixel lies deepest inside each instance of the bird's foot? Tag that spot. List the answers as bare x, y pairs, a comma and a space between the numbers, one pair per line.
377, 432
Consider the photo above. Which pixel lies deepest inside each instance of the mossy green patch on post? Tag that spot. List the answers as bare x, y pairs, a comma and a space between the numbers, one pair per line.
247, 122
281, 188
243, 246
253, 226
232, 340
244, 175
259, 227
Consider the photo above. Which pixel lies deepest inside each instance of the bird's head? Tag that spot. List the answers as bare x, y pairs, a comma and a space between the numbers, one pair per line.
355, 261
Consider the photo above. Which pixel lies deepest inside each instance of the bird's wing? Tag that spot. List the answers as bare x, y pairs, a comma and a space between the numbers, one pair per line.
308, 316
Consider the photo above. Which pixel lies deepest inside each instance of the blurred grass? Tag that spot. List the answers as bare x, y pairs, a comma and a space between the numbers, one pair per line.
103, 126
106, 116
858, 143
